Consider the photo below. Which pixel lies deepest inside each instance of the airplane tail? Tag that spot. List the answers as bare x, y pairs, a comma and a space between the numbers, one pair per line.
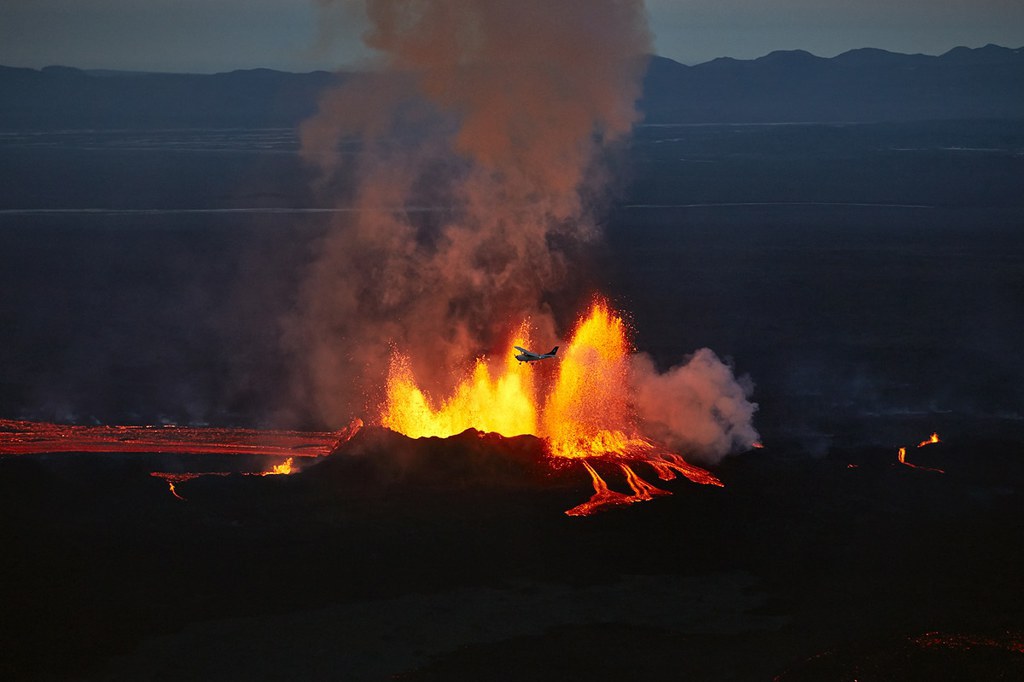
553, 350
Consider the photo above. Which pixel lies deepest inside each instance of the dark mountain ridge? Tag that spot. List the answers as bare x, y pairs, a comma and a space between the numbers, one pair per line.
864, 85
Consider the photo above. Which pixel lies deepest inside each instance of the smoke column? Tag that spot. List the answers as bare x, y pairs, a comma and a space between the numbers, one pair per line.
493, 115
510, 104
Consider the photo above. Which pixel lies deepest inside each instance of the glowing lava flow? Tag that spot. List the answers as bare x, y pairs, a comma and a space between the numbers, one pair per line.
642, 490
901, 455
24, 438
586, 413
667, 464
602, 497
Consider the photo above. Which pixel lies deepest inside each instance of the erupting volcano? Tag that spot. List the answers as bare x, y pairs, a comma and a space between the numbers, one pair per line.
584, 412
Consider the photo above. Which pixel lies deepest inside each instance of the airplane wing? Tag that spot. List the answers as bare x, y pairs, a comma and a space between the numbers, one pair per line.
522, 350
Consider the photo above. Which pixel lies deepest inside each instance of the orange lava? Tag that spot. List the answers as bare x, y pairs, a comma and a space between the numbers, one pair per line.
642, 490
668, 464
24, 437
500, 402
602, 498
901, 455
585, 413
284, 468
173, 479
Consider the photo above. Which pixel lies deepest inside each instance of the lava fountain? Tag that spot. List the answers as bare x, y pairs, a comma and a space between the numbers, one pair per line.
584, 413
499, 402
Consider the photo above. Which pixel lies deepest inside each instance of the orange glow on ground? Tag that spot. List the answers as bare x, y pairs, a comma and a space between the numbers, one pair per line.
585, 413
932, 440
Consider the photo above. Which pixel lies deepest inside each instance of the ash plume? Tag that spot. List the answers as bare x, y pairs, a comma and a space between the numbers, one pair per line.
466, 225
471, 154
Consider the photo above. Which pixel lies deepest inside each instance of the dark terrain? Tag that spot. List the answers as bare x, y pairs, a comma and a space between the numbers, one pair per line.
869, 277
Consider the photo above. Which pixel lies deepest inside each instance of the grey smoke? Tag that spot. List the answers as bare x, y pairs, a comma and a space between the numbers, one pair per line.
698, 407
499, 113
511, 105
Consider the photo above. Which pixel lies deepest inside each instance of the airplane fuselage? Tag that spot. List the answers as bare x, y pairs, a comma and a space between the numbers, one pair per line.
527, 356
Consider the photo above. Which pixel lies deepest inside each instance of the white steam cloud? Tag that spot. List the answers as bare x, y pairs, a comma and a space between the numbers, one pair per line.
699, 407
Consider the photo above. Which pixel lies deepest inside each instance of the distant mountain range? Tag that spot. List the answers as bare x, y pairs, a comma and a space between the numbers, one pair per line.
860, 85
863, 85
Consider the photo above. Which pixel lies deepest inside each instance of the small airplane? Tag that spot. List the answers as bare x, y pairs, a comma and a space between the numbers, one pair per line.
528, 356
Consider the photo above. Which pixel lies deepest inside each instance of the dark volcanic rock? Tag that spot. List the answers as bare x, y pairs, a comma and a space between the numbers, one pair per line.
379, 457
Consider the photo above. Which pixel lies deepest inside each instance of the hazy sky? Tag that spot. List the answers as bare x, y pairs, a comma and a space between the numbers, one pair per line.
220, 35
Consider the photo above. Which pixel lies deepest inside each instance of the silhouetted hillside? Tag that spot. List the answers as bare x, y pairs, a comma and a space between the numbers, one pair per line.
785, 86
62, 97
860, 85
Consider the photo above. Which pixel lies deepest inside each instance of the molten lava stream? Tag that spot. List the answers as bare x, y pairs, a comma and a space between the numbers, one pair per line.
641, 488
603, 497
901, 455
668, 463
23, 437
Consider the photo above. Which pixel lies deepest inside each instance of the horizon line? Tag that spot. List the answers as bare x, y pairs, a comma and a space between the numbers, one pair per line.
361, 69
